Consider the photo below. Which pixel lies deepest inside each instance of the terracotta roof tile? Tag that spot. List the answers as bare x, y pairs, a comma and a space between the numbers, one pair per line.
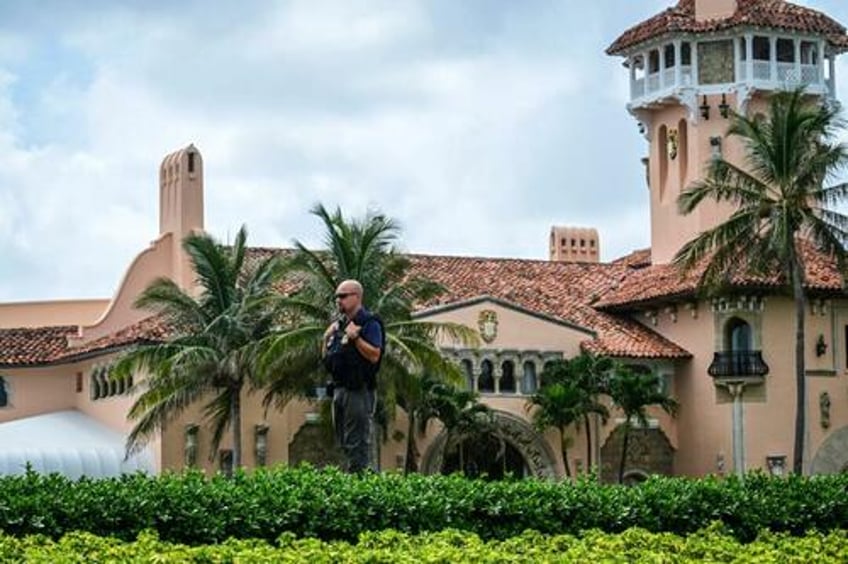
775, 14
636, 259
33, 346
664, 281
564, 291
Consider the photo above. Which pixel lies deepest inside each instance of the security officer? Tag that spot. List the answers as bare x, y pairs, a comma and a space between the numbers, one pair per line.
353, 346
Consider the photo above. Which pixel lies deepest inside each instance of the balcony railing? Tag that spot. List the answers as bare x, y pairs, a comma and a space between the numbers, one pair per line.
738, 363
766, 74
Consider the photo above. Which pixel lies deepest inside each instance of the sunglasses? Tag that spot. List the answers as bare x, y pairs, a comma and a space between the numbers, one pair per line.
343, 295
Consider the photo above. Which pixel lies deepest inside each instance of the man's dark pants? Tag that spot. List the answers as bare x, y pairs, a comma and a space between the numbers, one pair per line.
353, 414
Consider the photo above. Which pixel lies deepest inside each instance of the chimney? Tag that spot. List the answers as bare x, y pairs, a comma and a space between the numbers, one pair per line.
575, 244
181, 204
714, 9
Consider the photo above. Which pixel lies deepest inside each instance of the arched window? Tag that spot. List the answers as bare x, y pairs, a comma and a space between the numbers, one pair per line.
486, 382
4, 392
468, 369
507, 377
528, 379
95, 385
737, 336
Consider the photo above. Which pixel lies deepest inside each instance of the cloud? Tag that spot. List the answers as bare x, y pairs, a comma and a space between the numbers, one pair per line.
478, 124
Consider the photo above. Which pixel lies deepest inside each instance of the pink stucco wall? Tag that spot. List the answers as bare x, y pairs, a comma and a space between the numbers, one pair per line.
58, 312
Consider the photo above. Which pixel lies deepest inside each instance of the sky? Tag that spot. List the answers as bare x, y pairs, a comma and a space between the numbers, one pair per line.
477, 124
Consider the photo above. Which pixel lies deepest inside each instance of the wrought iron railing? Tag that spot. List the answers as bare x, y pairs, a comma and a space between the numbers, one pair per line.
738, 363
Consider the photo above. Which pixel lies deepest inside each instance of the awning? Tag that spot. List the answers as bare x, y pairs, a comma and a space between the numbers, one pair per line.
68, 442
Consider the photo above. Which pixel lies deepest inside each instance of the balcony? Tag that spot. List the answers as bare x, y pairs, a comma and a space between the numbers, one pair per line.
715, 65
738, 364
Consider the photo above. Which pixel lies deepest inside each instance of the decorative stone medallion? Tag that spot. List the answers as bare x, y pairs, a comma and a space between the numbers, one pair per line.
487, 323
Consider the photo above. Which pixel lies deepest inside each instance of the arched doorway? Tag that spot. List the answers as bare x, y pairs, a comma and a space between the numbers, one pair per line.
523, 447
832, 455
487, 456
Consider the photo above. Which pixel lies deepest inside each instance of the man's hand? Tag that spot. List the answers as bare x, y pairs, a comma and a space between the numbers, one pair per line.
352, 331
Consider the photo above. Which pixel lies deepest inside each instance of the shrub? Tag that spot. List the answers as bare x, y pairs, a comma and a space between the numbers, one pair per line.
327, 504
633, 545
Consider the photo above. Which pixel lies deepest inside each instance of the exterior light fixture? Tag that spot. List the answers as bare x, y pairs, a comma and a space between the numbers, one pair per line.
724, 107
821, 346
705, 108
776, 465
641, 128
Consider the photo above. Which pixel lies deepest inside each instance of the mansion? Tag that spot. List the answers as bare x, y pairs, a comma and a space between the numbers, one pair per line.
729, 361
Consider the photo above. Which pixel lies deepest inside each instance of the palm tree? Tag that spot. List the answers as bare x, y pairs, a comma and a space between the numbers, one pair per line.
633, 392
780, 202
461, 413
560, 404
363, 250
211, 353
589, 373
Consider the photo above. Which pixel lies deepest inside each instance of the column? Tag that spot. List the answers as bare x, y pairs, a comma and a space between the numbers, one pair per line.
633, 78
737, 61
662, 66
497, 372
832, 82
693, 52
678, 63
736, 390
798, 73
820, 61
773, 58
749, 53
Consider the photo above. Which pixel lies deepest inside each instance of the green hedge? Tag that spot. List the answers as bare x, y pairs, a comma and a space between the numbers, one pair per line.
328, 504
634, 545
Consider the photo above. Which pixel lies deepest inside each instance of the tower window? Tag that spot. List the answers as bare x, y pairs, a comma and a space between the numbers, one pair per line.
653, 61
191, 162
785, 51
686, 54
79, 382
669, 56
762, 49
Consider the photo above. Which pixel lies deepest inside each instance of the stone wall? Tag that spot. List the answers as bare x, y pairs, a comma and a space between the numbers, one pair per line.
648, 452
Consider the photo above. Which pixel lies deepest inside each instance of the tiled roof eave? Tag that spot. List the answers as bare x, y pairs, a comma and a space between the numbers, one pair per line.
780, 16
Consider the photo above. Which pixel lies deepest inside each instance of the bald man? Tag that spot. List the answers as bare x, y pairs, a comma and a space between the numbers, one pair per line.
352, 349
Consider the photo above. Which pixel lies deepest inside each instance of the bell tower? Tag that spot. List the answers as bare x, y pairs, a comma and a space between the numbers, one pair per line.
694, 63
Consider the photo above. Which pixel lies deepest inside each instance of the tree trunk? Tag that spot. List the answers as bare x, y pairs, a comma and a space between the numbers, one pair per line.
563, 443
235, 421
624, 442
462, 458
800, 376
411, 462
588, 443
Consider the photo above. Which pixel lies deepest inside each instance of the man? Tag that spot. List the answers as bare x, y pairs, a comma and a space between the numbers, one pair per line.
352, 349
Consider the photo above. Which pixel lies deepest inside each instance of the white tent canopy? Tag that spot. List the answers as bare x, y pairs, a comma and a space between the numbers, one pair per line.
68, 442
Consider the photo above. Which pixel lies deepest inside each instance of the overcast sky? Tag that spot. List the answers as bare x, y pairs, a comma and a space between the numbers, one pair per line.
478, 124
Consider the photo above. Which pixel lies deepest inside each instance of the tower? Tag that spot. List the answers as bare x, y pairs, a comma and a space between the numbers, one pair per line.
181, 205
694, 62
574, 244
